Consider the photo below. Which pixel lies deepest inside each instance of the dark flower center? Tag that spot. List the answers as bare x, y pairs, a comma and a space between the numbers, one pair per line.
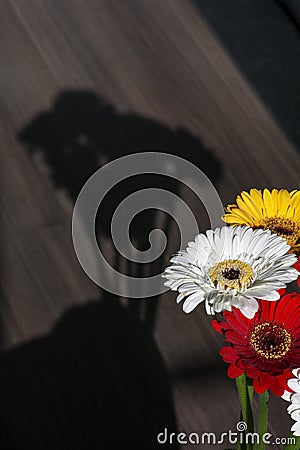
270, 341
283, 231
285, 227
231, 274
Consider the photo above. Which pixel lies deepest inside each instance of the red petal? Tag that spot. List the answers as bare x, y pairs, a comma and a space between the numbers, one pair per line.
234, 371
239, 317
217, 326
237, 325
282, 308
234, 338
277, 384
228, 354
281, 292
252, 372
297, 264
259, 386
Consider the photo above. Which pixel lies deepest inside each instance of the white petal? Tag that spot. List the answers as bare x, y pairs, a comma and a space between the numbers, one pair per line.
294, 384
286, 396
247, 305
296, 373
209, 309
271, 296
296, 399
295, 415
296, 429
192, 301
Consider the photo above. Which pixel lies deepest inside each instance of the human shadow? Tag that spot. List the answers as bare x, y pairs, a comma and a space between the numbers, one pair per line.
80, 133
97, 381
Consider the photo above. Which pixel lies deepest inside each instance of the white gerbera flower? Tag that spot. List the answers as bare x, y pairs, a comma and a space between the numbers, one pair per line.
294, 398
231, 266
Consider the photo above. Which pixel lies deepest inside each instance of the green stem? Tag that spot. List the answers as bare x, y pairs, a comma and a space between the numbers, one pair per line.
245, 394
241, 446
250, 389
295, 445
262, 420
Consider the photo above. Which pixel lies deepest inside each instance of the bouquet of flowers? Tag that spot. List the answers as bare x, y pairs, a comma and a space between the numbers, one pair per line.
240, 272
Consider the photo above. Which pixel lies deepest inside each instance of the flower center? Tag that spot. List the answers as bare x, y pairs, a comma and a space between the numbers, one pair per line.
270, 340
284, 227
232, 274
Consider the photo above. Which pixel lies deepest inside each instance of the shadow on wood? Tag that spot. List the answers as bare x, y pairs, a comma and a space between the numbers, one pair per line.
81, 133
96, 381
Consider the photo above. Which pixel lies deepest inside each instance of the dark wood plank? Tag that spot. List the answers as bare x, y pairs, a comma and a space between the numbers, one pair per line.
160, 80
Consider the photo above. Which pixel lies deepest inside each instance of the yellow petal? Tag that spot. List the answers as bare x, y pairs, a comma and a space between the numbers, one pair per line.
239, 217
275, 201
229, 207
253, 204
284, 202
233, 220
295, 202
268, 202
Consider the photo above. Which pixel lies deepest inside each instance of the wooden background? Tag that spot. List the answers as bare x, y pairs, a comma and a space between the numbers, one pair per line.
82, 83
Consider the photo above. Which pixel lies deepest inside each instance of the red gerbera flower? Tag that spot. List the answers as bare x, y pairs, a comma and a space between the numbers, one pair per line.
266, 347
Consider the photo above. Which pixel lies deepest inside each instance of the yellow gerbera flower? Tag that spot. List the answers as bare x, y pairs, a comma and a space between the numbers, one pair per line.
277, 211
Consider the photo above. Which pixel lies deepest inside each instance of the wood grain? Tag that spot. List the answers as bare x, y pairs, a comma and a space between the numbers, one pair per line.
160, 81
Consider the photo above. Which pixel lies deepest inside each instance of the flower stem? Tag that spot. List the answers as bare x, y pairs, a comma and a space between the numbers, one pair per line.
262, 420
295, 443
241, 445
250, 389
245, 395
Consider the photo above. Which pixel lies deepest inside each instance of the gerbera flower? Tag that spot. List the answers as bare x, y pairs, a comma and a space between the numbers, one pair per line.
278, 211
266, 347
294, 398
231, 266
